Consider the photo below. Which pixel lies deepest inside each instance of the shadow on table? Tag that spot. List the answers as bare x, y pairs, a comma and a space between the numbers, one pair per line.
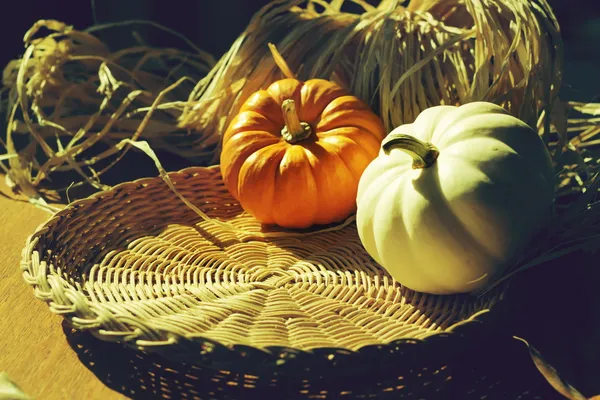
556, 308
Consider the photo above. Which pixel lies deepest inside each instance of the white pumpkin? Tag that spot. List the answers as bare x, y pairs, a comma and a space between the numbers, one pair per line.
453, 197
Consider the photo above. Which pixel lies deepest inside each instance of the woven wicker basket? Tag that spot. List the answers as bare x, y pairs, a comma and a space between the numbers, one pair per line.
135, 265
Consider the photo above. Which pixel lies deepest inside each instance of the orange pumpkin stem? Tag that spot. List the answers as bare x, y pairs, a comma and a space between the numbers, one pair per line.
294, 130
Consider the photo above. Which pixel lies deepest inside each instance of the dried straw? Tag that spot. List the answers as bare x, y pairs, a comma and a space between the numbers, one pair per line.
69, 101
399, 59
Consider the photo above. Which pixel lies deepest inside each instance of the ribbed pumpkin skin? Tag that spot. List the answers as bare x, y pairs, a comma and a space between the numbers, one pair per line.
453, 227
313, 181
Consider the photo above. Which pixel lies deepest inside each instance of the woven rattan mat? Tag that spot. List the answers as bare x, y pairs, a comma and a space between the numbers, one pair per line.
134, 264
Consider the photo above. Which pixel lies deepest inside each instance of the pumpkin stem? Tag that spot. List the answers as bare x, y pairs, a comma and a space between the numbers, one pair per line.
294, 130
423, 154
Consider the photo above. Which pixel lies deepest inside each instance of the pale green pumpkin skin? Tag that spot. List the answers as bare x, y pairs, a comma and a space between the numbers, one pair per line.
456, 225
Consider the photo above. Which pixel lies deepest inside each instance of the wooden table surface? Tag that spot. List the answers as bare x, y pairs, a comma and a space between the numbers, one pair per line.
34, 351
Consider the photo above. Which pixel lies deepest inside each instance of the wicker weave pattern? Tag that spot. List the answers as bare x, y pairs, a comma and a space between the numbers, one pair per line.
135, 264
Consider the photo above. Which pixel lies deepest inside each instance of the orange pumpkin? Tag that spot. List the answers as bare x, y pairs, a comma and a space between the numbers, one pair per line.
294, 154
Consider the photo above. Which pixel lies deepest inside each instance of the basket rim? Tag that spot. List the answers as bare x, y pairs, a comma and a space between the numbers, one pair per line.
269, 356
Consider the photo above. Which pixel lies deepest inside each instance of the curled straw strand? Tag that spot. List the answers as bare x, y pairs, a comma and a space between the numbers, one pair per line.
226, 226
72, 98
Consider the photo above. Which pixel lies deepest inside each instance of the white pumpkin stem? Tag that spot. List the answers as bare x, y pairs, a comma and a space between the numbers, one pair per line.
423, 154
294, 130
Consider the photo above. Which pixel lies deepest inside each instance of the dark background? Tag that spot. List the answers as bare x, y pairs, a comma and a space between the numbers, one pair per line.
214, 24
